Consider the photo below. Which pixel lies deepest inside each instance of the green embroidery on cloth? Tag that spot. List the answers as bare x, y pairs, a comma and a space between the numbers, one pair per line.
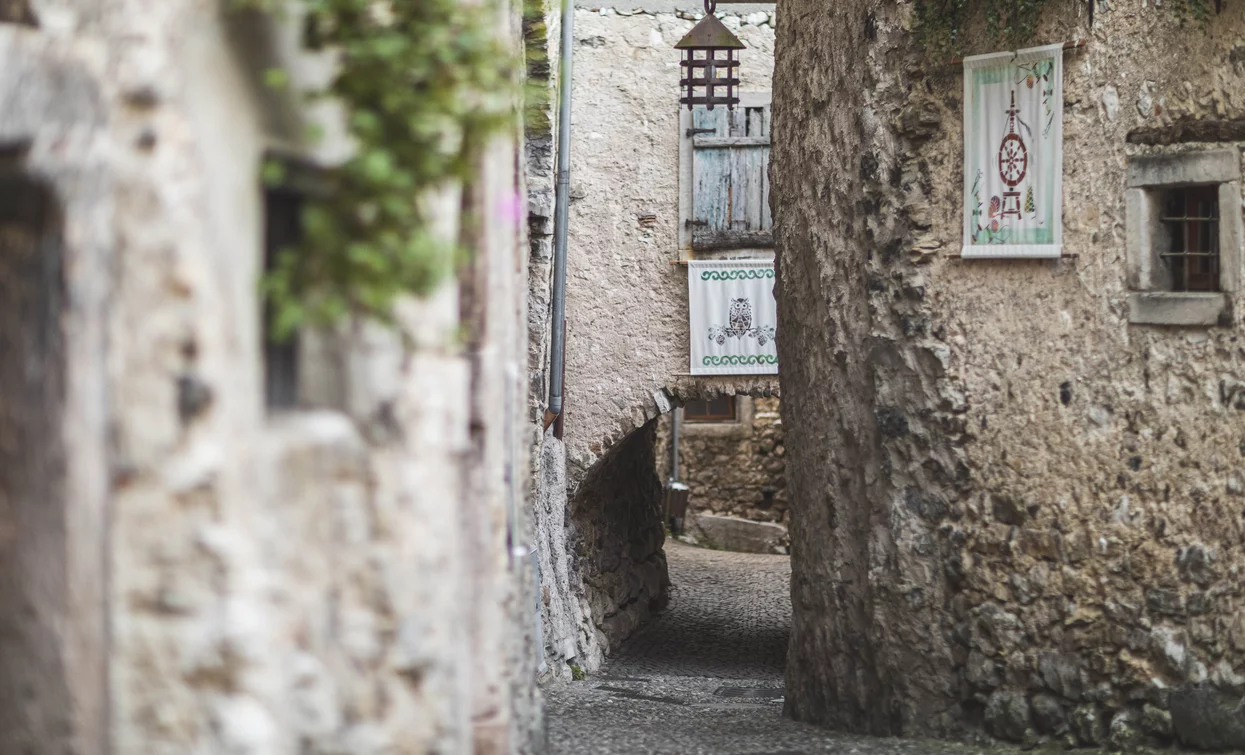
740, 361
734, 275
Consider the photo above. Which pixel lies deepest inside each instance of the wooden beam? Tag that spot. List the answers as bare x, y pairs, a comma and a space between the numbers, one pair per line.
707, 241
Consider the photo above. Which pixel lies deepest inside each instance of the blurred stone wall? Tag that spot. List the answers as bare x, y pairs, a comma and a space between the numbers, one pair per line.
223, 577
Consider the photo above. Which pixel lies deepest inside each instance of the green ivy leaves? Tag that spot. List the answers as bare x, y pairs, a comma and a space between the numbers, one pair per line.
425, 84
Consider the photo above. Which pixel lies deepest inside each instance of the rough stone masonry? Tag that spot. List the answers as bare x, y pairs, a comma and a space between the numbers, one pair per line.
1013, 510
734, 468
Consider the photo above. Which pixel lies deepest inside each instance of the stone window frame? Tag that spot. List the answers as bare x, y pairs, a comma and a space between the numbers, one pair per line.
1147, 178
740, 427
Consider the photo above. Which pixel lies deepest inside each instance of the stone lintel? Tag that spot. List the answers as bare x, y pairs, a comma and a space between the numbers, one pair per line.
1211, 166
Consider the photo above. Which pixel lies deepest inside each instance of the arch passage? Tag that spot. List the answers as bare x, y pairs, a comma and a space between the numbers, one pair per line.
618, 522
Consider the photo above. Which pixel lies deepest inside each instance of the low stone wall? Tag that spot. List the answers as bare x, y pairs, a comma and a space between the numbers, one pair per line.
728, 533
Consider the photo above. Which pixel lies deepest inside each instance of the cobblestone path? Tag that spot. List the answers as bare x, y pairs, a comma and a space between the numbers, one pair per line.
706, 677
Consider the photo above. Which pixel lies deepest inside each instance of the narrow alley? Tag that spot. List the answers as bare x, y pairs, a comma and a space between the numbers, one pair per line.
706, 676
622, 377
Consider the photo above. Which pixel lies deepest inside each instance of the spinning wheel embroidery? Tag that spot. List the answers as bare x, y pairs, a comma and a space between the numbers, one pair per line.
1013, 163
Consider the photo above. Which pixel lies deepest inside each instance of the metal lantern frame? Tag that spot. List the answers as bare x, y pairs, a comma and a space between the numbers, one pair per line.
710, 63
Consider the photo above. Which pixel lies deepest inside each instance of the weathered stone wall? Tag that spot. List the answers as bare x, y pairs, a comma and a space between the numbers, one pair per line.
731, 467
337, 578
618, 536
627, 342
1010, 508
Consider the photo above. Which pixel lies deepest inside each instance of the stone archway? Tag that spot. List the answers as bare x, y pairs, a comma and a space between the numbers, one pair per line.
600, 526
618, 534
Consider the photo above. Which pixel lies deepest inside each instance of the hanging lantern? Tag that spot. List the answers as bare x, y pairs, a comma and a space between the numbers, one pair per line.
710, 68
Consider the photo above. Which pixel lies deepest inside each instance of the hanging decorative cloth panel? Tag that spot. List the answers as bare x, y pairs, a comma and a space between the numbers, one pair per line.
734, 317
1013, 154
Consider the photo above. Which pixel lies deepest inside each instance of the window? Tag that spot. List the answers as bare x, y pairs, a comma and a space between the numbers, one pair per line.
1183, 237
282, 229
721, 409
1191, 223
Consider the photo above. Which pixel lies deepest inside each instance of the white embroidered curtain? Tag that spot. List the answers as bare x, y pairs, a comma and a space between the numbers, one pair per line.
1013, 153
734, 317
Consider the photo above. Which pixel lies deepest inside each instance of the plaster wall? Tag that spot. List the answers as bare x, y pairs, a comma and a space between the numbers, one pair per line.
1048, 496
626, 304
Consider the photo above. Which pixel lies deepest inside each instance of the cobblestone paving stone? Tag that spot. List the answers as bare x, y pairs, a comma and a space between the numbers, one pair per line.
729, 618
664, 692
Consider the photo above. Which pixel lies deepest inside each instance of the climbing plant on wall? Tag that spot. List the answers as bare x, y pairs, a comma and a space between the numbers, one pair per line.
424, 84
940, 24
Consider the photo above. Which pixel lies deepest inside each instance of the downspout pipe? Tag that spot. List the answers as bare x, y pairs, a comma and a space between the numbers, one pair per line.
557, 358
676, 426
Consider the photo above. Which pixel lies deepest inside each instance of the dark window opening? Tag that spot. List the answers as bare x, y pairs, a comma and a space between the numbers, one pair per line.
17, 12
283, 229
1191, 218
721, 409
754, 123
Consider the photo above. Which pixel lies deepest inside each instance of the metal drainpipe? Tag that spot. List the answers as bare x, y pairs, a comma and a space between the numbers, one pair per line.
557, 359
676, 424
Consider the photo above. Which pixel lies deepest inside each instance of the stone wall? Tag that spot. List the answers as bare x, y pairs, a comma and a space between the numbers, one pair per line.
226, 578
627, 341
1011, 509
618, 536
731, 467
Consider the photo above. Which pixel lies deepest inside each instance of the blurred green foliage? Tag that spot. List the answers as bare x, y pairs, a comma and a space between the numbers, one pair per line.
425, 85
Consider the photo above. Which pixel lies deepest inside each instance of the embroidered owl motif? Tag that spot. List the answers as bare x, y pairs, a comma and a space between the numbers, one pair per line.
739, 325
741, 315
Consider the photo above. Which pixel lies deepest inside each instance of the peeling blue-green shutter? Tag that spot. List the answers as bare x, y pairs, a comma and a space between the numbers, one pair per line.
730, 178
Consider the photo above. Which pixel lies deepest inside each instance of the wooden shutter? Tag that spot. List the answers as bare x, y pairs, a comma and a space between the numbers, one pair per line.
730, 177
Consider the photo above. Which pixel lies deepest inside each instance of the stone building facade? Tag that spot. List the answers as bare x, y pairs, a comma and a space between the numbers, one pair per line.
1015, 485
735, 468
190, 569
627, 319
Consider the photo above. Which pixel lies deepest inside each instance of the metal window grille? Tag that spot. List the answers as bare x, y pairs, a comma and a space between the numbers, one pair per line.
1191, 218
722, 409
